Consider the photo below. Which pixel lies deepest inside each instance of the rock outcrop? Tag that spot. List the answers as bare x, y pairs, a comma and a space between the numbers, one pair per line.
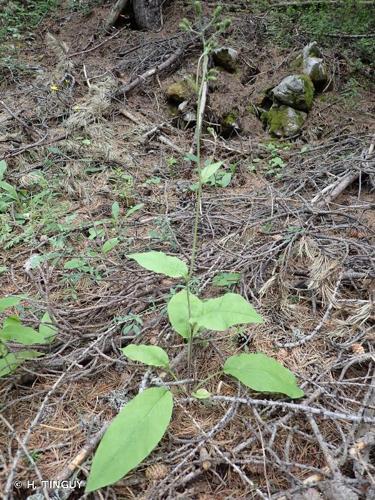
291, 100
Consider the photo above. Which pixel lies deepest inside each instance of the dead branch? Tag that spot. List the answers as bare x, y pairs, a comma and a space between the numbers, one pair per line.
172, 59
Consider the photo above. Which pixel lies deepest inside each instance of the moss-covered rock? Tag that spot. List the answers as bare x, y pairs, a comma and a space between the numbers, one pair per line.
284, 121
296, 91
180, 91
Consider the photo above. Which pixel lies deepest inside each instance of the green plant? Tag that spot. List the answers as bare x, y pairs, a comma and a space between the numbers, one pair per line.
84, 266
8, 193
351, 92
142, 423
213, 174
132, 324
123, 184
274, 164
14, 332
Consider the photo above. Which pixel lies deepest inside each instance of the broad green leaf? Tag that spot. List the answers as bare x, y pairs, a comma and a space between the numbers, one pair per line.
159, 262
263, 374
47, 329
178, 312
131, 437
115, 210
74, 264
226, 279
14, 331
3, 168
9, 189
11, 301
210, 170
150, 355
12, 360
223, 312
201, 394
134, 209
110, 245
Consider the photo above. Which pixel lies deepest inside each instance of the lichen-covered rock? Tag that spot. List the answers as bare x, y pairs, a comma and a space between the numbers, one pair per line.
296, 91
284, 121
226, 58
314, 66
180, 91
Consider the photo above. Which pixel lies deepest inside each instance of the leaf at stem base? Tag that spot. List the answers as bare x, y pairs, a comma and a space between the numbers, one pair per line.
159, 262
131, 437
263, 374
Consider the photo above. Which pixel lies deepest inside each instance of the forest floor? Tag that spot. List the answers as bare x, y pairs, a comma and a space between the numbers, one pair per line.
96, 177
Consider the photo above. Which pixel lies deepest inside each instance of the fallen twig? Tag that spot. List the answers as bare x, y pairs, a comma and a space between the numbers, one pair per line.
295, 407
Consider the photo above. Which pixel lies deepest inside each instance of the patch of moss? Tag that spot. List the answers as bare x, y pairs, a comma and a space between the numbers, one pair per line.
229, 119
309, 90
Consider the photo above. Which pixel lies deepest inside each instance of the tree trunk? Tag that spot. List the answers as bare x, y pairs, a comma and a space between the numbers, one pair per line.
147, 14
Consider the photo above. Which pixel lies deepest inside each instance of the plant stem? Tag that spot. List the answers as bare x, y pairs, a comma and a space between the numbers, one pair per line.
201, 105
